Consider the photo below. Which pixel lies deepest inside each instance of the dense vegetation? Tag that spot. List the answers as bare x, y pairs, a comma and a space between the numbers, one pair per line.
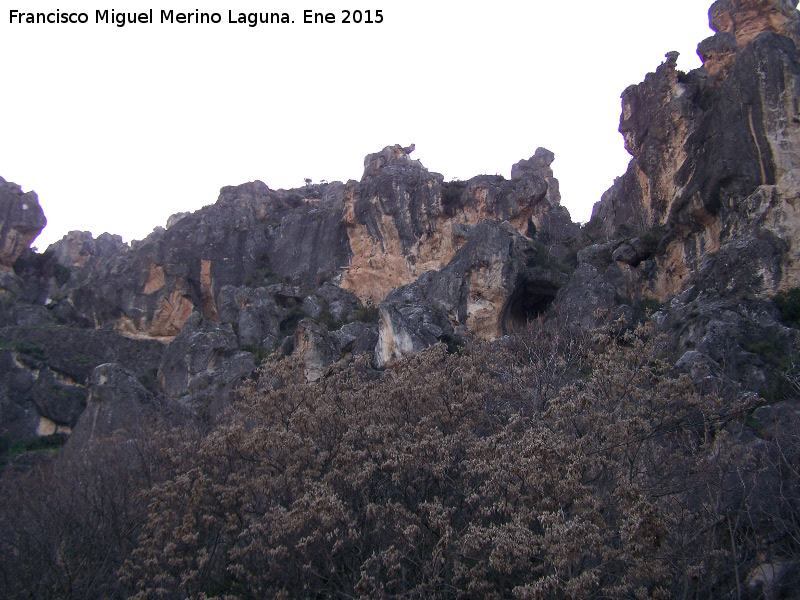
552, 464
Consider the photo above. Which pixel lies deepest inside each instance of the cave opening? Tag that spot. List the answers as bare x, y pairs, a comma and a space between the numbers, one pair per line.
528, 301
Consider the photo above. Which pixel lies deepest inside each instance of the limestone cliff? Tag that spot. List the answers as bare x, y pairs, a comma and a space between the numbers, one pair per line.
715, 151
403, 220
703, 227
234, 280
711, 193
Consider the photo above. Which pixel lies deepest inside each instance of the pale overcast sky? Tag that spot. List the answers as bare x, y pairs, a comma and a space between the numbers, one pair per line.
118, 128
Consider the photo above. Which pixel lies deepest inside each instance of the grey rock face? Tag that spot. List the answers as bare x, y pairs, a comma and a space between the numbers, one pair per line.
658, 115
718, 53
316, 347
252, 237
320, 348
391, 156
713, 185
407, 330
493, 283
584, 295
203, 354
631, 252
356, 338
80, 249
46, 369
746, 19
21, 220
405, 220
707, 204
117, 403
119, 406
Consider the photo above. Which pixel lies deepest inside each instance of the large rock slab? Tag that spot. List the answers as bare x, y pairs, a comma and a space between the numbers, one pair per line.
202, 365
403, 220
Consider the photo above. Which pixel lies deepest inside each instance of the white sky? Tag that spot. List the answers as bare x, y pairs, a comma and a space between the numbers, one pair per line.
118, 128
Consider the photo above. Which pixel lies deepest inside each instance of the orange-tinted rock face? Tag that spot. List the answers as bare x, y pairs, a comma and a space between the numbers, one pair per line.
169, 318
746, 19
207, 302
156, 280
403, 220
719, 55
716, 154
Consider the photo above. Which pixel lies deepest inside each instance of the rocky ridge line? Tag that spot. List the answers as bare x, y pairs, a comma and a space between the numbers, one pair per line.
701, 227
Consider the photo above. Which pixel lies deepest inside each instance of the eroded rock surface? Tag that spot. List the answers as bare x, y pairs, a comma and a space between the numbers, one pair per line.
497, 280
747, 19
21, 220
702, 229
403, 220
712, 188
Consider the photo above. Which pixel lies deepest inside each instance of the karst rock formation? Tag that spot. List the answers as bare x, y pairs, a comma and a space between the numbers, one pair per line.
703, 229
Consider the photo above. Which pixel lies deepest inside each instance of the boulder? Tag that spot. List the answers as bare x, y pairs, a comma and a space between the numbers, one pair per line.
316, 348
203, 353
118, 405
408, 329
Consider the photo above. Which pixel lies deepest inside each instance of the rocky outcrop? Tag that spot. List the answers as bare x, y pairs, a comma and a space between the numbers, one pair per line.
318, 348
117, 402
707, 204
718, 54
21, 220
715, 151
202, 364
657, 117
44, 377
119, 406
363, 238
497, 280
403, 220
251, 237
223, 287
78, 249
712, 190
747, 19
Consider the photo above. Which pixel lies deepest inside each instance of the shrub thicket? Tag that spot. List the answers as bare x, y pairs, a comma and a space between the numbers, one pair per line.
549, 465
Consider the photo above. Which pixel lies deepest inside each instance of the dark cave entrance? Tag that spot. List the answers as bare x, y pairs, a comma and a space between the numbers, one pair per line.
529, 300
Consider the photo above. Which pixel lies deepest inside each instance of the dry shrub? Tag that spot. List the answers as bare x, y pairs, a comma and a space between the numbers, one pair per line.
554, 465
548, 465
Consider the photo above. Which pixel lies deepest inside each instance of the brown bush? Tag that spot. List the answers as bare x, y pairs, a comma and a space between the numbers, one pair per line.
548, 465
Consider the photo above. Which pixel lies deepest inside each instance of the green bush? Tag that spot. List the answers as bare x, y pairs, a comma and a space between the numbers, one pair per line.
290, 322
652, 237
30, 349
788, 303
545, 260
45, 443
149, 379
259, 352
452, 191
367, 314
330, 322
262, 271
